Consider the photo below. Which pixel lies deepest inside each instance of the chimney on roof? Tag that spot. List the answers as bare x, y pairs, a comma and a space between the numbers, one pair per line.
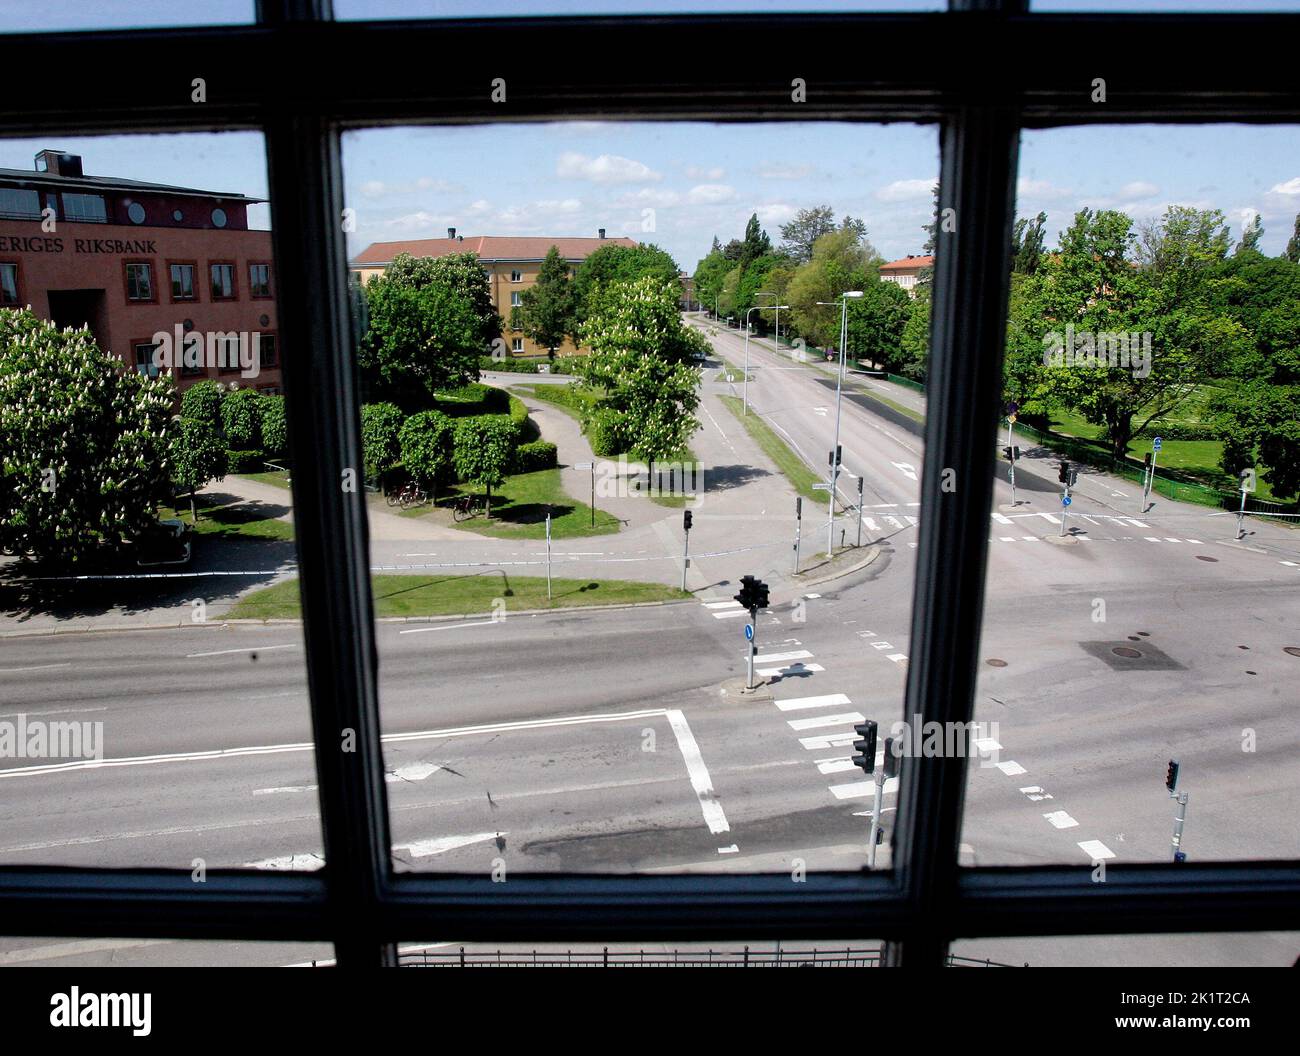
58, 163
451, 233
601, 232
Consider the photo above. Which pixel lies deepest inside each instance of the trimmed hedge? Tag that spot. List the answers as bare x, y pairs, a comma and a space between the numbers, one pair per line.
1179, 431
245, 461
275, 430
601, 427
513, 366
540, 454
472, 400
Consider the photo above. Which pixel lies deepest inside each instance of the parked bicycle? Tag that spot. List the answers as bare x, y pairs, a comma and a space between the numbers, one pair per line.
408, 496
464, 508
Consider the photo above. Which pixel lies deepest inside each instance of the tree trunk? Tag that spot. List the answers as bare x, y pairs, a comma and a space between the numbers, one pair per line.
487, 506
194, 513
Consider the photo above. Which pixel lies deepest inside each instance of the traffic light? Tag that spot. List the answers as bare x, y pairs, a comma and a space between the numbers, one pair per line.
836, 457
686, 520
753, 593
1011, 454
1146, 460
1064, 475
1171, 775
865, 746
891, 760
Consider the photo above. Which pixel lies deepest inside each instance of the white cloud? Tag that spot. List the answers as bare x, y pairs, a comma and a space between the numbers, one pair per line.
648, 197
1290, 187
710, 194
713, 175
478, 208
605, 168
1040, 190
380, 189
772, 170
1139, 189
775, 214
905, 190
419, 221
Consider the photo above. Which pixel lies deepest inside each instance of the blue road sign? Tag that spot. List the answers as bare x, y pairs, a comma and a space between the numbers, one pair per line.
1066, 500
1156, 444
749, 632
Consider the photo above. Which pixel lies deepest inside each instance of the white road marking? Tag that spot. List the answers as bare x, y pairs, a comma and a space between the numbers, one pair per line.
276, 790
862, 789
733, 849
1135, 522
1151, 539
442, 844
1061, 820
1011, 768
1170, 539
871, 525
1007, 538
1035, 793
835, 766
1001, 519
248, 649
729, 614
830, 700
1030, 538
907, 469
305, 861
818, 721
450, 626
1050, 517
830, 740
780, 658
39, 667
898, 658
985, 745
412, 772
698, 773
732, 604
792, 669
1096, 850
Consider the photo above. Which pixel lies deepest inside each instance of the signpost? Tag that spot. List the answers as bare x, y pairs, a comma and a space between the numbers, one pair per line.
1012, 408
798, 528
1147, 484
1171, 783
548, 553
591, 466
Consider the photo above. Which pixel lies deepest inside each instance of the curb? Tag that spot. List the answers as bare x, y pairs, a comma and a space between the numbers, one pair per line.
873, 553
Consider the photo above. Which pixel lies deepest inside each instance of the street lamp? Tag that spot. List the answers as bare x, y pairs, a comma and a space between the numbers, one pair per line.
744, 384
843, 302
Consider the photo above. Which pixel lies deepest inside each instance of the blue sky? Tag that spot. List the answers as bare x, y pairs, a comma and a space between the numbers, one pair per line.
698, 180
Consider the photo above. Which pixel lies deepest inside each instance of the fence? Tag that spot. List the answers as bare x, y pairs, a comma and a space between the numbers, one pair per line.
816, 957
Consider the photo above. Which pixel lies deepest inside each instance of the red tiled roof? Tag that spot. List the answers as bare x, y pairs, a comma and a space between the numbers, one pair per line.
488, 247
908, 262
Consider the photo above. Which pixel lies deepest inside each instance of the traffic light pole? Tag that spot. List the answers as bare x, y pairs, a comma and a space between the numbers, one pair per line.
835, 448
753, 647
1012, 452
686, 555
1150, 481
860, 511
1065, 509
1241, 512
875, 818
798, 529
1179, 818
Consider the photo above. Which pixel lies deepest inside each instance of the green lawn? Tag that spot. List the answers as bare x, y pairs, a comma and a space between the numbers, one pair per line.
519, 509
277, 478
565, 397
236, 521
733, 374
410, 595
795, 469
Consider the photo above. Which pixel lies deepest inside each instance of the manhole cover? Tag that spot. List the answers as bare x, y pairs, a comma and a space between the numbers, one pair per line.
1124, 650
995, 662
1134, 638
1294, 650
1145, 634
1243, 647
1202, 557
1252, 672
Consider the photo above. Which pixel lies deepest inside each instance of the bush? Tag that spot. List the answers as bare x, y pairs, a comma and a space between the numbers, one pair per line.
275, 431
381, 425
473, 400
201, 402
250, 461
514, 366
1179, 431
426, 440
601, 427
540, 454
241, 420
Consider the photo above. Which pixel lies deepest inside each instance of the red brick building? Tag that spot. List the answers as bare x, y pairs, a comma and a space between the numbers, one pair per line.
132, 260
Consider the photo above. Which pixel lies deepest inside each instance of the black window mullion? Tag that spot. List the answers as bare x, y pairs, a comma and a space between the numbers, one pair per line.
321, 406
968, 327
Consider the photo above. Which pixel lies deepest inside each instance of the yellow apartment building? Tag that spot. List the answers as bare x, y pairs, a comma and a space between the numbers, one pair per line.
511, 263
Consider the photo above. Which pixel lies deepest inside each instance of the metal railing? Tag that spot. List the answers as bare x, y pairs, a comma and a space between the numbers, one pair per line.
774, 957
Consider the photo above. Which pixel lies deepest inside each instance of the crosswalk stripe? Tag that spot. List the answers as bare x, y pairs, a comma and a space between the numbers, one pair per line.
733, 604
1135, 522
835, 766
1001, 519
910, 519
772, 672
1170, 539
1096, 850
818, 721
862, 789
1151, 539
893, 522
778, 658
729, 614
1050, 517
1007, 538
804, 703
828, 740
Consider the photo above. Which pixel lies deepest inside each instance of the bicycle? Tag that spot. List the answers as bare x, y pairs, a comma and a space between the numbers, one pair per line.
408, 496
464, 508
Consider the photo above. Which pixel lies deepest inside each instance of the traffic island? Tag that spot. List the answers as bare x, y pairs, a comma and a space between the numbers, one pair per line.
733, 689
845, 562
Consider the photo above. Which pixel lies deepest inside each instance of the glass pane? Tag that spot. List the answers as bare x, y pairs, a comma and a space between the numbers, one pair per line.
64, 952
852, 953
1262, 949
381, 9
147, 718
59, 15
1142, 574
613, 734
1226, 7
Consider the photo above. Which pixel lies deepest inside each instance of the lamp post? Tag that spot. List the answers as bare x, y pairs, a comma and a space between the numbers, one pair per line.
839, 386
744, 383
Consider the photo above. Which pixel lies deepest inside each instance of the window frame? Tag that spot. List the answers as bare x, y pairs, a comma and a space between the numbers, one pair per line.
233, 295
142, 342
194, 282
637, 68
134, 262
19, 301
270, 286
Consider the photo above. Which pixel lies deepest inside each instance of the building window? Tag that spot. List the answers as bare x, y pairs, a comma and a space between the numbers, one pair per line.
516, 276
183, 282
139, 282
9, 284
267, 356
88, 208
516, 300
218, 217
135, 212
18, 204
259, 280
223, 282
516, 344
144, 363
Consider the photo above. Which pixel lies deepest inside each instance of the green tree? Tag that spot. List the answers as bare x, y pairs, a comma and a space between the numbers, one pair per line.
617, 264
424, 332
641, 364
839, 263
85, 446
756, 243
461, 273
710, 274
914, 344
1292, 251
426, 441
800, 235
241, 421
876, 322
201, 402
200, 457
275, 429
484, 448
1252, 231
547, 314
381, 449
1027, 244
